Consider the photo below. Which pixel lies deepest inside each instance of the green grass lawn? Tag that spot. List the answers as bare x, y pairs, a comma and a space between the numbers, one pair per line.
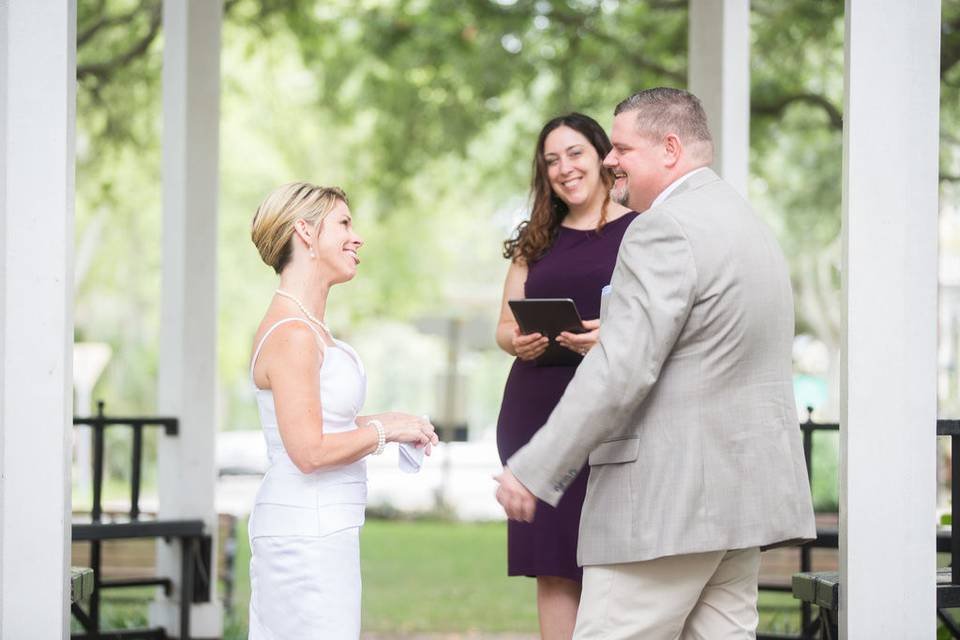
437, 576
424, 576
445, 576
428, 576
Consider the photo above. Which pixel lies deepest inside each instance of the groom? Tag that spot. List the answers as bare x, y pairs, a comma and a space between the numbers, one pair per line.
685, 409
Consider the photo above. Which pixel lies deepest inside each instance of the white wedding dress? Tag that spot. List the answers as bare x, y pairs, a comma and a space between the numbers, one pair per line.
304, 529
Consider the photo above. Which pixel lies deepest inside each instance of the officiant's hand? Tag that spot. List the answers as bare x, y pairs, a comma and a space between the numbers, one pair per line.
529, 346
404, 427
581, 342
515, 498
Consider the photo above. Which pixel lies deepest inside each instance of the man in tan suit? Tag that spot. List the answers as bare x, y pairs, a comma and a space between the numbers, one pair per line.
685, 409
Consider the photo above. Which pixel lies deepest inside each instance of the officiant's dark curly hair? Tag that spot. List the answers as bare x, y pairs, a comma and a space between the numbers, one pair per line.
534, 237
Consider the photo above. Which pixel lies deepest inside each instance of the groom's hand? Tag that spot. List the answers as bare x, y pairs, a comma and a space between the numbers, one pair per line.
515, 498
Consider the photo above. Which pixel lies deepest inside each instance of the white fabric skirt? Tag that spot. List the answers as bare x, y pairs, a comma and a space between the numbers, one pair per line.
305, 587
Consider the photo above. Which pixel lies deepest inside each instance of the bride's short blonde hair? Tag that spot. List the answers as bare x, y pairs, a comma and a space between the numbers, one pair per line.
273, 223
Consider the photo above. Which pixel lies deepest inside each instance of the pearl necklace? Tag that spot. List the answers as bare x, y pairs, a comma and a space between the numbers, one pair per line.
309, 315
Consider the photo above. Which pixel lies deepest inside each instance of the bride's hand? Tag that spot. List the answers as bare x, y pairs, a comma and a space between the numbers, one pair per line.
404, 427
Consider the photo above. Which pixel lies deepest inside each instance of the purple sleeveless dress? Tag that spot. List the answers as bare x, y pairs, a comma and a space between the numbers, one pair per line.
577, 266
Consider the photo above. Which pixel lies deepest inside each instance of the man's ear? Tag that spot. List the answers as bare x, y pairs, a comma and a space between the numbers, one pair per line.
672, 150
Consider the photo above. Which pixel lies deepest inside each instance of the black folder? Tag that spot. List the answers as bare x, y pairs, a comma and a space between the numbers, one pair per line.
550, 317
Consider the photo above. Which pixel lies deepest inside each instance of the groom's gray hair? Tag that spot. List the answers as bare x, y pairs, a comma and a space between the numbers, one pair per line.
664, 110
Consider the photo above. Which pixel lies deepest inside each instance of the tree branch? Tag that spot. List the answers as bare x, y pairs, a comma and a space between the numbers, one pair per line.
949, 46
819, 299
776, 107
84, 34
107, 20
580, 23
668, 4
229, 5
103, 70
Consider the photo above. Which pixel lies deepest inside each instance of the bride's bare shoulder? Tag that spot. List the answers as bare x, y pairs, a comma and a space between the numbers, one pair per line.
292, 341
293, 330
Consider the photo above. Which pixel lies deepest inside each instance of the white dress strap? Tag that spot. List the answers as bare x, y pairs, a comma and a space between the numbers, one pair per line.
256, 353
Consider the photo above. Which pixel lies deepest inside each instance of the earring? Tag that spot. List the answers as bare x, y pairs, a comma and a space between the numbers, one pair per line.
312, 254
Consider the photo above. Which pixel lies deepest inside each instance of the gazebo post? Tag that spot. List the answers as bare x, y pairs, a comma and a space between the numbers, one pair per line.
889, 351
188, 336
719, 74
37, 133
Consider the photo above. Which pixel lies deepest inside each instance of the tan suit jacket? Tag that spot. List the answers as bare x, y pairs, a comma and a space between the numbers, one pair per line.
684, 410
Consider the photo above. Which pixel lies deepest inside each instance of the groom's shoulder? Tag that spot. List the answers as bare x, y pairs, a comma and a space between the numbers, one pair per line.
659, 231
708, 202
702, 217
707, 190
660, 220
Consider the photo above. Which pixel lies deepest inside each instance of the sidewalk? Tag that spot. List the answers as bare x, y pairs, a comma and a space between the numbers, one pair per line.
462, 471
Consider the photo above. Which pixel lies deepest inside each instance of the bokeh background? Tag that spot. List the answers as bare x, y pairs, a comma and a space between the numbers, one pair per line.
426, 113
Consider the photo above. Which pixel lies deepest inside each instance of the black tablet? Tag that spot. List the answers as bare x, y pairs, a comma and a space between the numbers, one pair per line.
550, 317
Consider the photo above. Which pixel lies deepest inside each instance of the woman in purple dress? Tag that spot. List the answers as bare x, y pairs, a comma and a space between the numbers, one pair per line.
567, 249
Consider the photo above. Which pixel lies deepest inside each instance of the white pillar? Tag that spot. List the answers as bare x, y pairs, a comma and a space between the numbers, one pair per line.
889, 369
37, 109
188, 337
719, 74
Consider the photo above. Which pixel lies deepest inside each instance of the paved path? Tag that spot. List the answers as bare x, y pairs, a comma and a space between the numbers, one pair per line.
467, 482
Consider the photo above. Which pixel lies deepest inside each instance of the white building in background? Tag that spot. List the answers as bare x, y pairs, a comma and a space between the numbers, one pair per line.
458, 475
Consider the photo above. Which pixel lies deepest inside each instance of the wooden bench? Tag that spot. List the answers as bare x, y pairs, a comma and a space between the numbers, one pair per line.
129, 557
822, 590
81, 584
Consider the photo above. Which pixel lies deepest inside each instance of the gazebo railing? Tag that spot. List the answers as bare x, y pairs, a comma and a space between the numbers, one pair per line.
195, 544
948, 593
99, 424
826, 538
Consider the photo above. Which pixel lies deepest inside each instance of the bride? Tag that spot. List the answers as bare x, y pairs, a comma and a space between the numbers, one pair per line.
310, 387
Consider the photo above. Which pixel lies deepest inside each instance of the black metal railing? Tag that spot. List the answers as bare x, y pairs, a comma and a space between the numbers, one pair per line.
830, 540
951, 429
196, 546
99, 424
948, 593
826, 538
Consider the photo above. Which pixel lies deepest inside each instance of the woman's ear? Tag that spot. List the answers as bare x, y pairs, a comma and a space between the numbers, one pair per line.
302, 229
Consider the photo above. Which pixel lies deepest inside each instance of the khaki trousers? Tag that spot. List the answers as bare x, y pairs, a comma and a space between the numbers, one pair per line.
699, 596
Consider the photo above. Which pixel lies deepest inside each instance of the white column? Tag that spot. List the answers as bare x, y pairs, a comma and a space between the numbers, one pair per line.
889, 357
188, 336
37, 109
719, 74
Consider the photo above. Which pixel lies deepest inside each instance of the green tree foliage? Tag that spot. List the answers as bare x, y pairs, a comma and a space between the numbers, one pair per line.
426, 111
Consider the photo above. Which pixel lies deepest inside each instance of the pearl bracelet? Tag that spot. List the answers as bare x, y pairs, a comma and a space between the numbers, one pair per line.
381, 436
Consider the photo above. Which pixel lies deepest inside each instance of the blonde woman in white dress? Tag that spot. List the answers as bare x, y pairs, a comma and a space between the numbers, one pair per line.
310, 388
